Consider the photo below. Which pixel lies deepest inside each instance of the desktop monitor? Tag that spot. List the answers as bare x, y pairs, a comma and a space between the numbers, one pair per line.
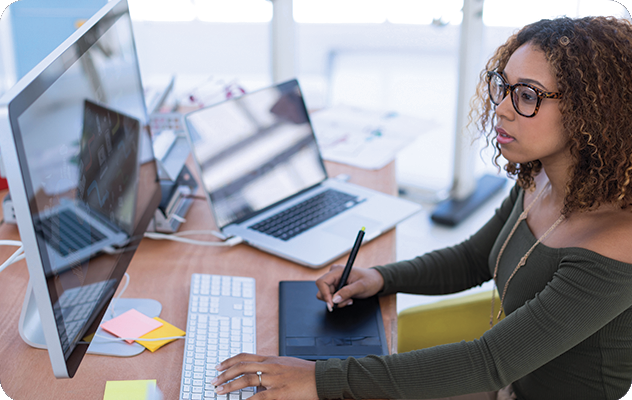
75, 143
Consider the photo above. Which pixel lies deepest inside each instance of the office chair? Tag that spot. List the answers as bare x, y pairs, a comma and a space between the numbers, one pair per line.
446, 321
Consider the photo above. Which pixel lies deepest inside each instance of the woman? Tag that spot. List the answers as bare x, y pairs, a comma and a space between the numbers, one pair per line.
556, 100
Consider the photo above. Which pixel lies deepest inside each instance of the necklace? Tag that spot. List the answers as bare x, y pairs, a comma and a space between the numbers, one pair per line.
523, 260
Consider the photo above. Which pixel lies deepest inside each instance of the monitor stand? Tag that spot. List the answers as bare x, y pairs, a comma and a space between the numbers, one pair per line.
31, 331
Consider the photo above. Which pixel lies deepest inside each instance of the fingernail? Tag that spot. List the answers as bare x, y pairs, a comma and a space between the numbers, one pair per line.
214, 381
219, 389
337, 299
218, 367
329, 307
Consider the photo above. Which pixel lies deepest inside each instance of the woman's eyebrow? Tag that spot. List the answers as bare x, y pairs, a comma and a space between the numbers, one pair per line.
527, 80
532, 82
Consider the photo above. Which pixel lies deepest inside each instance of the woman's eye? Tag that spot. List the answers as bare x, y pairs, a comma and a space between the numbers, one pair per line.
527, 95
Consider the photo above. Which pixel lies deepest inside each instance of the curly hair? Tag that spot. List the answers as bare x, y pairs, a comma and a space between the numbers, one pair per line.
591, 59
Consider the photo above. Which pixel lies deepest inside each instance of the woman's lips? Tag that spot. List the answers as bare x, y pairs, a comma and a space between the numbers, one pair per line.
503, 137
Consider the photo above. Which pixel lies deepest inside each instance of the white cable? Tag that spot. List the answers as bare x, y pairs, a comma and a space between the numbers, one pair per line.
116, 339
20, 257
15, 243
195, 232
179, 218
177, 238
119, 295
112, 313
13, 258
112, 251
201, 232
16, 256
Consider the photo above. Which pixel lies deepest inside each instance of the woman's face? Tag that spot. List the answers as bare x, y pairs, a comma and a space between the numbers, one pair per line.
540, 137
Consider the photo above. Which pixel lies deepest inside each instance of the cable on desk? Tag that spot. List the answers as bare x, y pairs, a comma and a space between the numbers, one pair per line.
114, 300
116, 339
194, 197
15, 257
177, 237
201, 232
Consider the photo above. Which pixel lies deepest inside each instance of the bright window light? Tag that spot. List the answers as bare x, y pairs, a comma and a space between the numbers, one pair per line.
234, 10
604, 7
424, 11
162, 10
515, 13
340, 11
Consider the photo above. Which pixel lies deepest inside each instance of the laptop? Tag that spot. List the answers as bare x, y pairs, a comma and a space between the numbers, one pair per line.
265, 180
98, 213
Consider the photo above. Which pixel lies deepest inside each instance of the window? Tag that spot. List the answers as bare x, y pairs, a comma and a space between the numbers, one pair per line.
518, 13
378, 11
203, 10
496, 12
162, 10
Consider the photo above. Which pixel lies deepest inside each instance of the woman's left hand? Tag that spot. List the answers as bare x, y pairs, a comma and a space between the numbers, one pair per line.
284, 378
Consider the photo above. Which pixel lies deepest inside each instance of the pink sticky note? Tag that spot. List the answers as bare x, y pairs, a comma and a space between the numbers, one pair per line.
131, 324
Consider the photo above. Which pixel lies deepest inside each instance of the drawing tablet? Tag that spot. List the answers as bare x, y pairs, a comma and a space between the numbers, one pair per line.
309, 331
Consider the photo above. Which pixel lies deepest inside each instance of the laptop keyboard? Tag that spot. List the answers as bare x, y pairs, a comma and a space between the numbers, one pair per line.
75, 306
66, 232
221, 324
303, 216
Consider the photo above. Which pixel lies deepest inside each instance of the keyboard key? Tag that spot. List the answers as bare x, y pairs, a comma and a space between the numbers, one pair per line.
221, 323
309, 213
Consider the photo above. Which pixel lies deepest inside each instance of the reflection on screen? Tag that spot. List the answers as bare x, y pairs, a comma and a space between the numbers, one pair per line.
107, 164
255, 150
81, 141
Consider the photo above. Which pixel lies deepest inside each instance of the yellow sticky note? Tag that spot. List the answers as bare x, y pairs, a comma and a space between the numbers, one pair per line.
129, 390
166, 330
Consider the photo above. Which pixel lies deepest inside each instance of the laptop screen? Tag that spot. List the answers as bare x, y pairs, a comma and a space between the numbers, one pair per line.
255, 150
108, 155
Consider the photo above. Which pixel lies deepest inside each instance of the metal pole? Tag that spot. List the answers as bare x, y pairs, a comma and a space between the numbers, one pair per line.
283, 41
467, 193
8, 73
463, 181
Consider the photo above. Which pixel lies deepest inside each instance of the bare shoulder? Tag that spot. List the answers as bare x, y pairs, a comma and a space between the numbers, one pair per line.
605, 231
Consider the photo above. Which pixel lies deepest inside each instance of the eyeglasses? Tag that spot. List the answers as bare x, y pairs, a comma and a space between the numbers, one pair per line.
525, 98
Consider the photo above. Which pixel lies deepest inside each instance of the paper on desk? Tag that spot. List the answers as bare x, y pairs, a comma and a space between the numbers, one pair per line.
166, 330
364, 138
130, 324
132, 390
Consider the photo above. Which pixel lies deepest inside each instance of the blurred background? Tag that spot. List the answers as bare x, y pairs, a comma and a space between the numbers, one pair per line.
399, 56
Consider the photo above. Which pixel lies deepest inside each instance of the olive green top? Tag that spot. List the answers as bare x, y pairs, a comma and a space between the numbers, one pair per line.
567, 333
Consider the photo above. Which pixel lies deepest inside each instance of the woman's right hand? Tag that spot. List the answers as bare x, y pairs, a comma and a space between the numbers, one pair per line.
362, 283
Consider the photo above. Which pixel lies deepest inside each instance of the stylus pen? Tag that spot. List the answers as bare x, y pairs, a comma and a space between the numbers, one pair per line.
350, 260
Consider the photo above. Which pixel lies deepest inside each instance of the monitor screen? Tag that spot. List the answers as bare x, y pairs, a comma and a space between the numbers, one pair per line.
255, 150
78, 157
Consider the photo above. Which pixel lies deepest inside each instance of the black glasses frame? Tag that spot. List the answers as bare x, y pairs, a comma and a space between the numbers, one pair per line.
541, 94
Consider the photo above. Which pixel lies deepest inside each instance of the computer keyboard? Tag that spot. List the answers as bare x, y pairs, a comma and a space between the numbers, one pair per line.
311, 212
221, 323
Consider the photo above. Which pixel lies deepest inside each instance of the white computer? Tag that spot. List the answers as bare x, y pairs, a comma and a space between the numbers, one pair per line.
76, 147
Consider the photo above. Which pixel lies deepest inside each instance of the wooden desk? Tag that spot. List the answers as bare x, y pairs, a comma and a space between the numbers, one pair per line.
162, 270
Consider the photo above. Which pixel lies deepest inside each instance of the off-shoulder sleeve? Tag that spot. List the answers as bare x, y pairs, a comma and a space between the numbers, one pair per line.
452, 269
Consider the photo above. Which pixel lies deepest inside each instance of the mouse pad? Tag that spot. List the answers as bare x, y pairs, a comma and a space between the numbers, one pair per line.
309, 331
